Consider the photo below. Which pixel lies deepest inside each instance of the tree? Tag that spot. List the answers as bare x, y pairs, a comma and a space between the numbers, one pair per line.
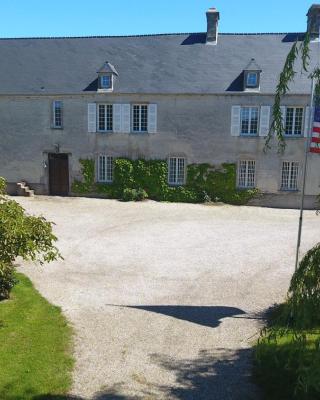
22, 235
287, 76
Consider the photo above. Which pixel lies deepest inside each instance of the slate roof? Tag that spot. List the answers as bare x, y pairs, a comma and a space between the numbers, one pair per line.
170, 63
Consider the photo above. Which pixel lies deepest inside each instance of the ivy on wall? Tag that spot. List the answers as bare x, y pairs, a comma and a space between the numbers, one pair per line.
140, 179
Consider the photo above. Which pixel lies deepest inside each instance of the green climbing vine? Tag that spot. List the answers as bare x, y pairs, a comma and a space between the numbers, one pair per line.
141, 179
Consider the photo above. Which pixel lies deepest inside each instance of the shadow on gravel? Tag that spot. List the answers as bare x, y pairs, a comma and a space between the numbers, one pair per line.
219, 375
209, 316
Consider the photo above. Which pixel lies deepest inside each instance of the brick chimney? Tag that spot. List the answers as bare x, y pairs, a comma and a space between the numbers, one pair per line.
314, 21
213, 17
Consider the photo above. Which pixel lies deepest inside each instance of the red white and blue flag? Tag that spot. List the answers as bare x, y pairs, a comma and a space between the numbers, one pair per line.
315, 139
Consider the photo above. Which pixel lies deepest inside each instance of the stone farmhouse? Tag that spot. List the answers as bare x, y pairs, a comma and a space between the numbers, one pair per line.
187, 98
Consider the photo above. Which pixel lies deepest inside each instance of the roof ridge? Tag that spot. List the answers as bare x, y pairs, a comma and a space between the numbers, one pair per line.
148, 35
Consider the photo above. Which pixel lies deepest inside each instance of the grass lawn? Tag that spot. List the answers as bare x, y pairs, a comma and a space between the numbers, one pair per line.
287, 363
35, 346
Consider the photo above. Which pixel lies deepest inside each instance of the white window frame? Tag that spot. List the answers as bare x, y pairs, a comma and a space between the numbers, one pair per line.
54, 114
106, 106
105, 176
140, 105
293, 134
292, 167
250, 108
246, 181
179, 179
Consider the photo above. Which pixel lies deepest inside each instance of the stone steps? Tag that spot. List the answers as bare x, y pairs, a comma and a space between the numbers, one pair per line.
24, 189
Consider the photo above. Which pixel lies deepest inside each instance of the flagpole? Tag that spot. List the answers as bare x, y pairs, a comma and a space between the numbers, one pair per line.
305, 169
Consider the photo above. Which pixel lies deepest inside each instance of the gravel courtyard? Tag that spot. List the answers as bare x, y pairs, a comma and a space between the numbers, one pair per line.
166, 299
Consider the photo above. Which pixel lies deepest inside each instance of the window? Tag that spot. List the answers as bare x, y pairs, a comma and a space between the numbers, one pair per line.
105, 118
252, 79
177, 171
293, 121
105, 82
105, 169
249, 120
247, 174
140, 118
57, 114
289, 178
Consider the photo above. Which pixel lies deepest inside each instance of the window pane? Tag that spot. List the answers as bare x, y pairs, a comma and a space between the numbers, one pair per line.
144, 118
109, 117
136, 118
109, 169
289, 121
245, 112
102, 169
106, 81
254, 121
298, 121
102, 118
252, 79
57, 114
180, 171
172, 170
294, 176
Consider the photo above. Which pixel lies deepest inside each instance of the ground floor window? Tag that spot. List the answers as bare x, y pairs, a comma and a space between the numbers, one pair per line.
105, 169
289, 176
177, 171
247, 174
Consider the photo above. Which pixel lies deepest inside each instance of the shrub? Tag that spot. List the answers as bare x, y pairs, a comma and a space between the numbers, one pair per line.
304, 292
7, 280
134, 195
22, 235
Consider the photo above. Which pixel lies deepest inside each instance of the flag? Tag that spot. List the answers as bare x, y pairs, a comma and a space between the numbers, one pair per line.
315, 139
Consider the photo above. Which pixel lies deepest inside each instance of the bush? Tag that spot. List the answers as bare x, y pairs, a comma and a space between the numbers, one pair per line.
7, 280
134, 195
304, 292
22, 235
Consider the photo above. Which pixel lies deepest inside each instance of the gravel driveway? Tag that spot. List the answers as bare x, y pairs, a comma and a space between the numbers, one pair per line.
166, 299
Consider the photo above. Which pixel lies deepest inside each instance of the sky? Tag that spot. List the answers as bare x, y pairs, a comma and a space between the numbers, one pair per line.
34, 18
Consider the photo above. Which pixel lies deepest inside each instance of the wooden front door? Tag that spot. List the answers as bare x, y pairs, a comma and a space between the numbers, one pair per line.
59, 174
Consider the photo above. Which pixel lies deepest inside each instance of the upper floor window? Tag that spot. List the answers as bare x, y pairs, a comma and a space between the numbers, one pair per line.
105, 169
177, 171
252, 79
105, 118
289, 175
249, 120
293, 121
140, 118
252, 74
247, 174
57, 114
105, 82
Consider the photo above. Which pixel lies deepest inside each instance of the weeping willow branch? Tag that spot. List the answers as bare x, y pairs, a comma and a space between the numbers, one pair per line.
286, 77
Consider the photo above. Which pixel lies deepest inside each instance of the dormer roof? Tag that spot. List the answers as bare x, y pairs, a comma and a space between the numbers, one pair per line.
253, 66
107, 68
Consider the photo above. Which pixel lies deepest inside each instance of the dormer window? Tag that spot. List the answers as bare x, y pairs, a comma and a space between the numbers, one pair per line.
252, 79
106, 77
105, 82
252, 76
